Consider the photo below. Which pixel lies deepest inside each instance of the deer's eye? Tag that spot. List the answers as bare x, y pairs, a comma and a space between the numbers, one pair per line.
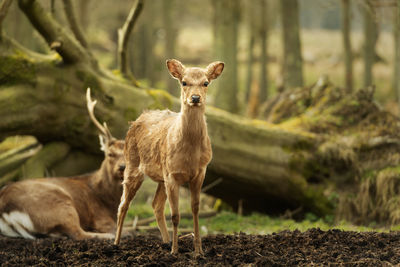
111, 155
205, 84
184, 83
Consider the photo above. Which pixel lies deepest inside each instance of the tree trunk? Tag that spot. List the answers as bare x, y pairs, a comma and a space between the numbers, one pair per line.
292, 68
84, 14
263, 30
257, 163
227, 21
396, 71
170, 39
4, 6
370, 38
139, 53
347, 53
250, 49
149, 41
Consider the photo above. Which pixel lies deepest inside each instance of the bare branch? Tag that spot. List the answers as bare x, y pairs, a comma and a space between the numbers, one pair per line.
84, 14
123, 37
384, 3
54, 34
52, 7
73, 23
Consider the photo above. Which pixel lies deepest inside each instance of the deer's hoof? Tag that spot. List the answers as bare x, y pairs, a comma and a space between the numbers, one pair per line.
198, 253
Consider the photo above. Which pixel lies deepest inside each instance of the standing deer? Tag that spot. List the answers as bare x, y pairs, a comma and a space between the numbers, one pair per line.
79, 207
172, 149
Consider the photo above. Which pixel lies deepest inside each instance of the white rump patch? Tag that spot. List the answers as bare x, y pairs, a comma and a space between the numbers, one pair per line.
6, 230
16, 223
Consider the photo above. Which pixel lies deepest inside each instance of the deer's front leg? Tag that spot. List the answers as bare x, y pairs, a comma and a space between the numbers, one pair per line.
195, 190
173, 199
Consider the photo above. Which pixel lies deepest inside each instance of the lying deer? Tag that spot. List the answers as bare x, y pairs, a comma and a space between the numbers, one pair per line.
172, 149
79, 207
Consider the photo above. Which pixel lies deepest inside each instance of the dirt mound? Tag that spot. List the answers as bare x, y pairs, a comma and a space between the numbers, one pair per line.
282, 249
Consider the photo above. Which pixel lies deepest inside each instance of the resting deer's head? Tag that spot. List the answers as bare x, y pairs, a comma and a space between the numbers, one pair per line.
194, 81
113, 149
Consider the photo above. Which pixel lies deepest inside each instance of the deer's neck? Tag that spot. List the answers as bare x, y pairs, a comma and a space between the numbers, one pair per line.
193, 123
106, 189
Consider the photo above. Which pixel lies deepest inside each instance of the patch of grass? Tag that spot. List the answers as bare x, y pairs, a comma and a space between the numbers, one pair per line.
142, 210
227, 222
230, 223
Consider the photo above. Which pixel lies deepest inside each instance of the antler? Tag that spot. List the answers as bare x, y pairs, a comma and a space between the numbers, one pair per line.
103, 128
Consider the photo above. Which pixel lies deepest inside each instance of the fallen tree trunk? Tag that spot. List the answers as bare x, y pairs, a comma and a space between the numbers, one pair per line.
16, 150
261, 164
359, 151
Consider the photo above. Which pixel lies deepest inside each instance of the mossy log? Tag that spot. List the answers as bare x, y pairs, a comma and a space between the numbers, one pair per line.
358, 151
15, 150
261, 164
34, 161
40, 164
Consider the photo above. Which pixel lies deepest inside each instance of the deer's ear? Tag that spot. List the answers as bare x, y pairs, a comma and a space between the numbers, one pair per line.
214, 70
103, 143
176, 69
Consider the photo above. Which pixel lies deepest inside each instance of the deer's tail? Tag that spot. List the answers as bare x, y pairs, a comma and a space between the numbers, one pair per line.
16, 224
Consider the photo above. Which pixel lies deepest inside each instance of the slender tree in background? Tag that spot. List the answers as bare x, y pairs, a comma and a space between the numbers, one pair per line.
4, 6
292, 68
137, 50
53, 7
370, 38
84, 14
171, 33
149, 43
348, 55
396, 71
226, 37
263, 31
250, 49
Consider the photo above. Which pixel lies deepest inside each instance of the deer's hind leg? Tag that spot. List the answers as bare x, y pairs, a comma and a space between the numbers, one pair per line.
158, 207
133, 179
64, 220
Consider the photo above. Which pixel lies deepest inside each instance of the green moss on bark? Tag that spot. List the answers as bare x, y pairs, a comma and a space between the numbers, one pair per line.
15, 70
88, 79
161, 99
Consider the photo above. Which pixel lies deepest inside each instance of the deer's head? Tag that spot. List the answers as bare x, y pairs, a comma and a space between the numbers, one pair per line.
113, 149
194, 81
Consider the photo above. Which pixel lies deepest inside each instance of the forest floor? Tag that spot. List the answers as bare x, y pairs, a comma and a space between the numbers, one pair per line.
286, 248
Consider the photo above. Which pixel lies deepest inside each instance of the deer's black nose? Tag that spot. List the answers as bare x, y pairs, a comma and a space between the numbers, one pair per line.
195, 99
121, 167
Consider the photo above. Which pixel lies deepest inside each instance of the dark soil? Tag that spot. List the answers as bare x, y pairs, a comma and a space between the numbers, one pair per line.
313, 247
